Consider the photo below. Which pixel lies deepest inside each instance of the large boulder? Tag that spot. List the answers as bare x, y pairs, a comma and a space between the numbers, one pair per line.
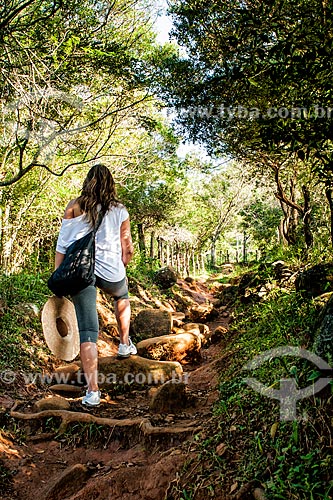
175, 347
151, 323
169, 397
315, 281
133, 370
166, 277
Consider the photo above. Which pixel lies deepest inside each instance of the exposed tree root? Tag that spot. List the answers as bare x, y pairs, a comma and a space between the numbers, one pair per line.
67, 417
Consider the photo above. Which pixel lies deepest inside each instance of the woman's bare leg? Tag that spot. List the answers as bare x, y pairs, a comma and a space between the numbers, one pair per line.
123, 315
89, 359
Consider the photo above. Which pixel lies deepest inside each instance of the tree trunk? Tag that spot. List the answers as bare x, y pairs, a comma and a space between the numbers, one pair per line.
6, 240
244, 247
152, 238
289, 223
141, 237
187, 260
213, 253
203, 263
159, 249
178, 258
167, 254
308, 236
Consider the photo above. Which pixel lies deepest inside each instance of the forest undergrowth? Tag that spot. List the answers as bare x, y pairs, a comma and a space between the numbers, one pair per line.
248, 445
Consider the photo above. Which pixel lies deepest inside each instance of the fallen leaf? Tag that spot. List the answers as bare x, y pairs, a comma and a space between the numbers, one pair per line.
274, 428
234, 487
177, 452
221, 449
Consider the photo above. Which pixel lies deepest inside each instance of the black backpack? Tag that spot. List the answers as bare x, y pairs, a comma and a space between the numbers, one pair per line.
77, 270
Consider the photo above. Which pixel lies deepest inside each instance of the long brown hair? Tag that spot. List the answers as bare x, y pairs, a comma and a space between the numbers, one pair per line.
98, 189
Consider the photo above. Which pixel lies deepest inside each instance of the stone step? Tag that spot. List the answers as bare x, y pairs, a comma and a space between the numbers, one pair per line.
133, 370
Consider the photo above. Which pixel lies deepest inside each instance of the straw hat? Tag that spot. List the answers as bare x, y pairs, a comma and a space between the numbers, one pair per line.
60, 328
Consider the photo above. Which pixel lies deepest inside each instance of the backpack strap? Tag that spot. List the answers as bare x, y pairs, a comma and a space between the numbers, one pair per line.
99, 221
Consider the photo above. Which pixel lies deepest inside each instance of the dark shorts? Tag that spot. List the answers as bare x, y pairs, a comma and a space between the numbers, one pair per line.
118, 290
85, 306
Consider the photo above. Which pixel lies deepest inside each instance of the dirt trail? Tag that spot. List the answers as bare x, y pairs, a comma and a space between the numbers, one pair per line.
117, 465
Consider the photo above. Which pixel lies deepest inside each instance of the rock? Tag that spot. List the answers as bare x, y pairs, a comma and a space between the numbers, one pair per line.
281, 270
259, 494
169, 397
165, 278
227, 268
66, 374
178, 315
188, 279
263, 290
249, 280
323, 344
136, 369
315, 281
229, 294
176, 323
152, 322
68, 482
199, 329
202, 313
182, 303
52, 403
219, 333
28, 309
6, 402
133, 370
249, 286
74, 389
180, 347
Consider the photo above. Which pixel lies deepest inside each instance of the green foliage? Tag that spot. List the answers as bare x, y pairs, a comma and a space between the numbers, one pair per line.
81, 434
21, 343
76, 70
253, 56
253, 83
143, 269
261, 220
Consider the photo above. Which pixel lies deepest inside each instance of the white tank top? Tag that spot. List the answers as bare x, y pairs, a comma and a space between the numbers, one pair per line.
108, 261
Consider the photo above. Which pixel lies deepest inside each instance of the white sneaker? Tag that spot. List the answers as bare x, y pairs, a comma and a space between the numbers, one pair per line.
124, 350
92, 398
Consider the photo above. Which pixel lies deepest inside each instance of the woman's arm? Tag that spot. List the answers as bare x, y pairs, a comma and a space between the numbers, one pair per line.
126, 242
59, 257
